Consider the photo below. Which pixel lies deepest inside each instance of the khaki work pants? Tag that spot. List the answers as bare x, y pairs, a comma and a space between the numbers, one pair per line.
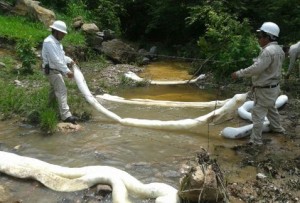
58, 90
264, 106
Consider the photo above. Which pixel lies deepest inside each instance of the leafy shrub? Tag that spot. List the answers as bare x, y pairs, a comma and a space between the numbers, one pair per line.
107, 14
228, 42
25, 51
77, 8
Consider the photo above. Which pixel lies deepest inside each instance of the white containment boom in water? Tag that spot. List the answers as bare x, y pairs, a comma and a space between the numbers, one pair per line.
134, 77
243, 111
151, 102
191, 125
65, 179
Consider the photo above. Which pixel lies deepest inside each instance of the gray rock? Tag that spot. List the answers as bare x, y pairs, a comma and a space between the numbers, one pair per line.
4, 194
118, 51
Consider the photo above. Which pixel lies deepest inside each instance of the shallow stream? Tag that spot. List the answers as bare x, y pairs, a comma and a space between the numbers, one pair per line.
147, 154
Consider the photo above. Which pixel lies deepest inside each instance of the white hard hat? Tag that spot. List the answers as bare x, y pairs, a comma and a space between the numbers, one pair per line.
59, 26
270, 28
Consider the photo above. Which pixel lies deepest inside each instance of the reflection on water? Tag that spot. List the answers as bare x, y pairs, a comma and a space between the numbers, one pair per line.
149, 155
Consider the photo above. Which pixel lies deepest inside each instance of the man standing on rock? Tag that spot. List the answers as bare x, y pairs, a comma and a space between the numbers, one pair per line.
266, 75
56, 65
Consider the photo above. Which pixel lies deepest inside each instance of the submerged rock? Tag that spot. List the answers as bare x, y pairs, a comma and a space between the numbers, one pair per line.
68, 127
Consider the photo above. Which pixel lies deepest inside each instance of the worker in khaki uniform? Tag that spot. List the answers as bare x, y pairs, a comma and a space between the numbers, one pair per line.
294, 54
55, 64
266, 75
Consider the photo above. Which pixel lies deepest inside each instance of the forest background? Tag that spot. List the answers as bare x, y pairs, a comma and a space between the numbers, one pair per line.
218, 29
219, 33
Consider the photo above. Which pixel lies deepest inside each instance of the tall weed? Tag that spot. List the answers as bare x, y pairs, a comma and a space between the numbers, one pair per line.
25, 51
48, 120
11, 99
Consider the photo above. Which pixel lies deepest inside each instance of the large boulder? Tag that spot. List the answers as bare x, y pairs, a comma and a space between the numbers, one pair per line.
33, 9
90, 28
118, 51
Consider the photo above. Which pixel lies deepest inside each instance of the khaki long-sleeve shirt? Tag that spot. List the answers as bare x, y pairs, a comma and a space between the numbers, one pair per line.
266, 70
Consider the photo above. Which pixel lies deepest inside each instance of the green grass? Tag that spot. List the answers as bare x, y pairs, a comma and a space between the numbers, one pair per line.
10, 99
18, 27
30, 101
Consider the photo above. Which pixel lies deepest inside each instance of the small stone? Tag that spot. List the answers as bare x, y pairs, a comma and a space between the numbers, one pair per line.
104, 190
260, 176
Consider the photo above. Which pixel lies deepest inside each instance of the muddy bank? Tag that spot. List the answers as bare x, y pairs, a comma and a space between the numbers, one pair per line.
276, 163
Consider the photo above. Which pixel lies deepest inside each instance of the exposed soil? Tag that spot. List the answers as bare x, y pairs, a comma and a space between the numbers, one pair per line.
277, 166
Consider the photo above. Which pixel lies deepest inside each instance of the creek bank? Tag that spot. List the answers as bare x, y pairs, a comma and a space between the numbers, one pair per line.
280, 163
276, 164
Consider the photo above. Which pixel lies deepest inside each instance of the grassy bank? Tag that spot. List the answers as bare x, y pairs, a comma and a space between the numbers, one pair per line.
26, 96
19, 28
25, 93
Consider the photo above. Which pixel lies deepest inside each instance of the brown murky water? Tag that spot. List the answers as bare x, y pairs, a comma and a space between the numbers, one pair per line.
147, 154
166, 70
171, 70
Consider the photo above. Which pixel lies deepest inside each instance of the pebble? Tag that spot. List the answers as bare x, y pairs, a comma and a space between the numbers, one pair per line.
260, 176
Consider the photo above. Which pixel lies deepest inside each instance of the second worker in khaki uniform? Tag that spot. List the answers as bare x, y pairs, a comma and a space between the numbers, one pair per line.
266, 76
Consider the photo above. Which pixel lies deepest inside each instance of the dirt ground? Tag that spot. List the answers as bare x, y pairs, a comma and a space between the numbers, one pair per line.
277, 166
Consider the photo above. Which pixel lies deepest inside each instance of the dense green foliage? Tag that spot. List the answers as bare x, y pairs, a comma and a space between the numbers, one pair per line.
165, 20
283, 12
104, 13
219, 36
193, 29
227, 42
